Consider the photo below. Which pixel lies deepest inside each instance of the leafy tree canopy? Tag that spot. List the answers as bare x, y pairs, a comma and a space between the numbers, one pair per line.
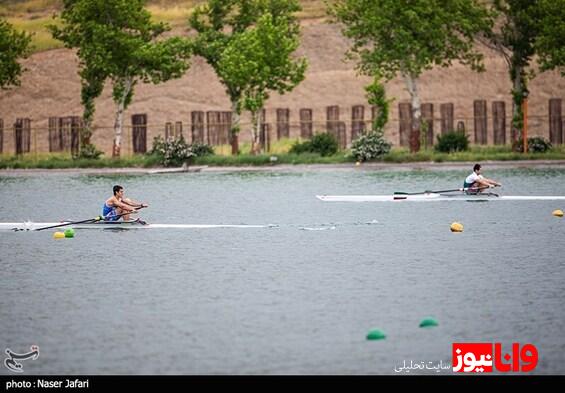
411, 36
550, 43
260, 60
13, 46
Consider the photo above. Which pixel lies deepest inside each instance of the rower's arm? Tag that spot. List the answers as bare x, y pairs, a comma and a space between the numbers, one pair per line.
125, 205
134, 204
483, 182
492, 182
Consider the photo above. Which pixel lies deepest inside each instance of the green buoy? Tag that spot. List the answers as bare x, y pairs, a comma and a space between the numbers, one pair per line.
428, 322
70, 232
376, 334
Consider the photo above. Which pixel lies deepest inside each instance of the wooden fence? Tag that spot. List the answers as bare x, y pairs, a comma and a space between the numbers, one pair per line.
346, 124
64, 134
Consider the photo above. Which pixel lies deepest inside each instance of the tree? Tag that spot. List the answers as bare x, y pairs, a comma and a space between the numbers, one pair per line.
117, 40
513, 37
408, 37
13, 46
549, 44
218, 22
376, 96
257, 61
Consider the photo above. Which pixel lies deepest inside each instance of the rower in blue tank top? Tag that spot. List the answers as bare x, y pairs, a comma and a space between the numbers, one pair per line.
475, 182
118, 206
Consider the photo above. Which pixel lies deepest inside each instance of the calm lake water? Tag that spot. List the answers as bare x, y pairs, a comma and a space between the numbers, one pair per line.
296, 299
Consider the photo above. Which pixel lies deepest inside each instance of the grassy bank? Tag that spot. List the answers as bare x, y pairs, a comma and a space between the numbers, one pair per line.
396, 156
33, 16
64, 161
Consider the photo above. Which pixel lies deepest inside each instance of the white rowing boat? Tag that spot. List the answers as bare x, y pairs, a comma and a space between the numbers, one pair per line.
435, 197
31, 226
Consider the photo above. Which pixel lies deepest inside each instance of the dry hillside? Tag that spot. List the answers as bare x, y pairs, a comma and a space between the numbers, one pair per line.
51, 87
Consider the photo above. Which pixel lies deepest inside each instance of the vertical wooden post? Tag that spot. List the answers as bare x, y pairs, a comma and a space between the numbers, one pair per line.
446, 113
341, 134
480, 112
428, 120
168, 131
139, 133
405, 123
264, 131
555, 121
218, 125
499, 122
332, 120
178, 130
54, 140
306, 126
22, 131
283, 128
197, 126
212, 120
357, 121
225, 128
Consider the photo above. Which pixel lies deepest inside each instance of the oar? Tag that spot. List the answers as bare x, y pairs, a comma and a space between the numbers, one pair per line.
440, 191
96, 219
99, 218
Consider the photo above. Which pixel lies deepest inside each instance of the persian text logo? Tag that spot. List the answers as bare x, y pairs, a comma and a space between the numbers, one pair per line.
479, 358
423, 366
11, 362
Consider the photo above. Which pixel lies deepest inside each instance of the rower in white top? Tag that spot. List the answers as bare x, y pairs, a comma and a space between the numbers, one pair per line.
476, 183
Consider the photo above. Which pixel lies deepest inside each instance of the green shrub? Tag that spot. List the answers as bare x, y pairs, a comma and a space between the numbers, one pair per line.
536, 144
201, 149
88, 152
452, 141
174, 152
370, 146
324, 144
300, 148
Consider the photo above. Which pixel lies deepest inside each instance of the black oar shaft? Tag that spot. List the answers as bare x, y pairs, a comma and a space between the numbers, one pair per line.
99, 218
71, 223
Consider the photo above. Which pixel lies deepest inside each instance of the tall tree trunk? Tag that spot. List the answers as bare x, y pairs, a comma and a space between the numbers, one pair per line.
86, 130
255, 129
234, 132
119, 121
518, 89
412, 86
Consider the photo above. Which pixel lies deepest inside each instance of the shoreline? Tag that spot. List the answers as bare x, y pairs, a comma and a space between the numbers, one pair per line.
411, 166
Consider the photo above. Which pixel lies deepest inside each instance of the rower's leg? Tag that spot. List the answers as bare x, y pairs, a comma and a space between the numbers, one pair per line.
122, 211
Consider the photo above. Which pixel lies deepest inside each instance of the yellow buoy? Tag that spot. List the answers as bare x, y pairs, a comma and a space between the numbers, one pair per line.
357, 163
456, 227
58, 235
558, 213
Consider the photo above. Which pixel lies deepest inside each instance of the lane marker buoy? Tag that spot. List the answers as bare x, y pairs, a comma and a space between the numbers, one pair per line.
428, 322
376, 334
